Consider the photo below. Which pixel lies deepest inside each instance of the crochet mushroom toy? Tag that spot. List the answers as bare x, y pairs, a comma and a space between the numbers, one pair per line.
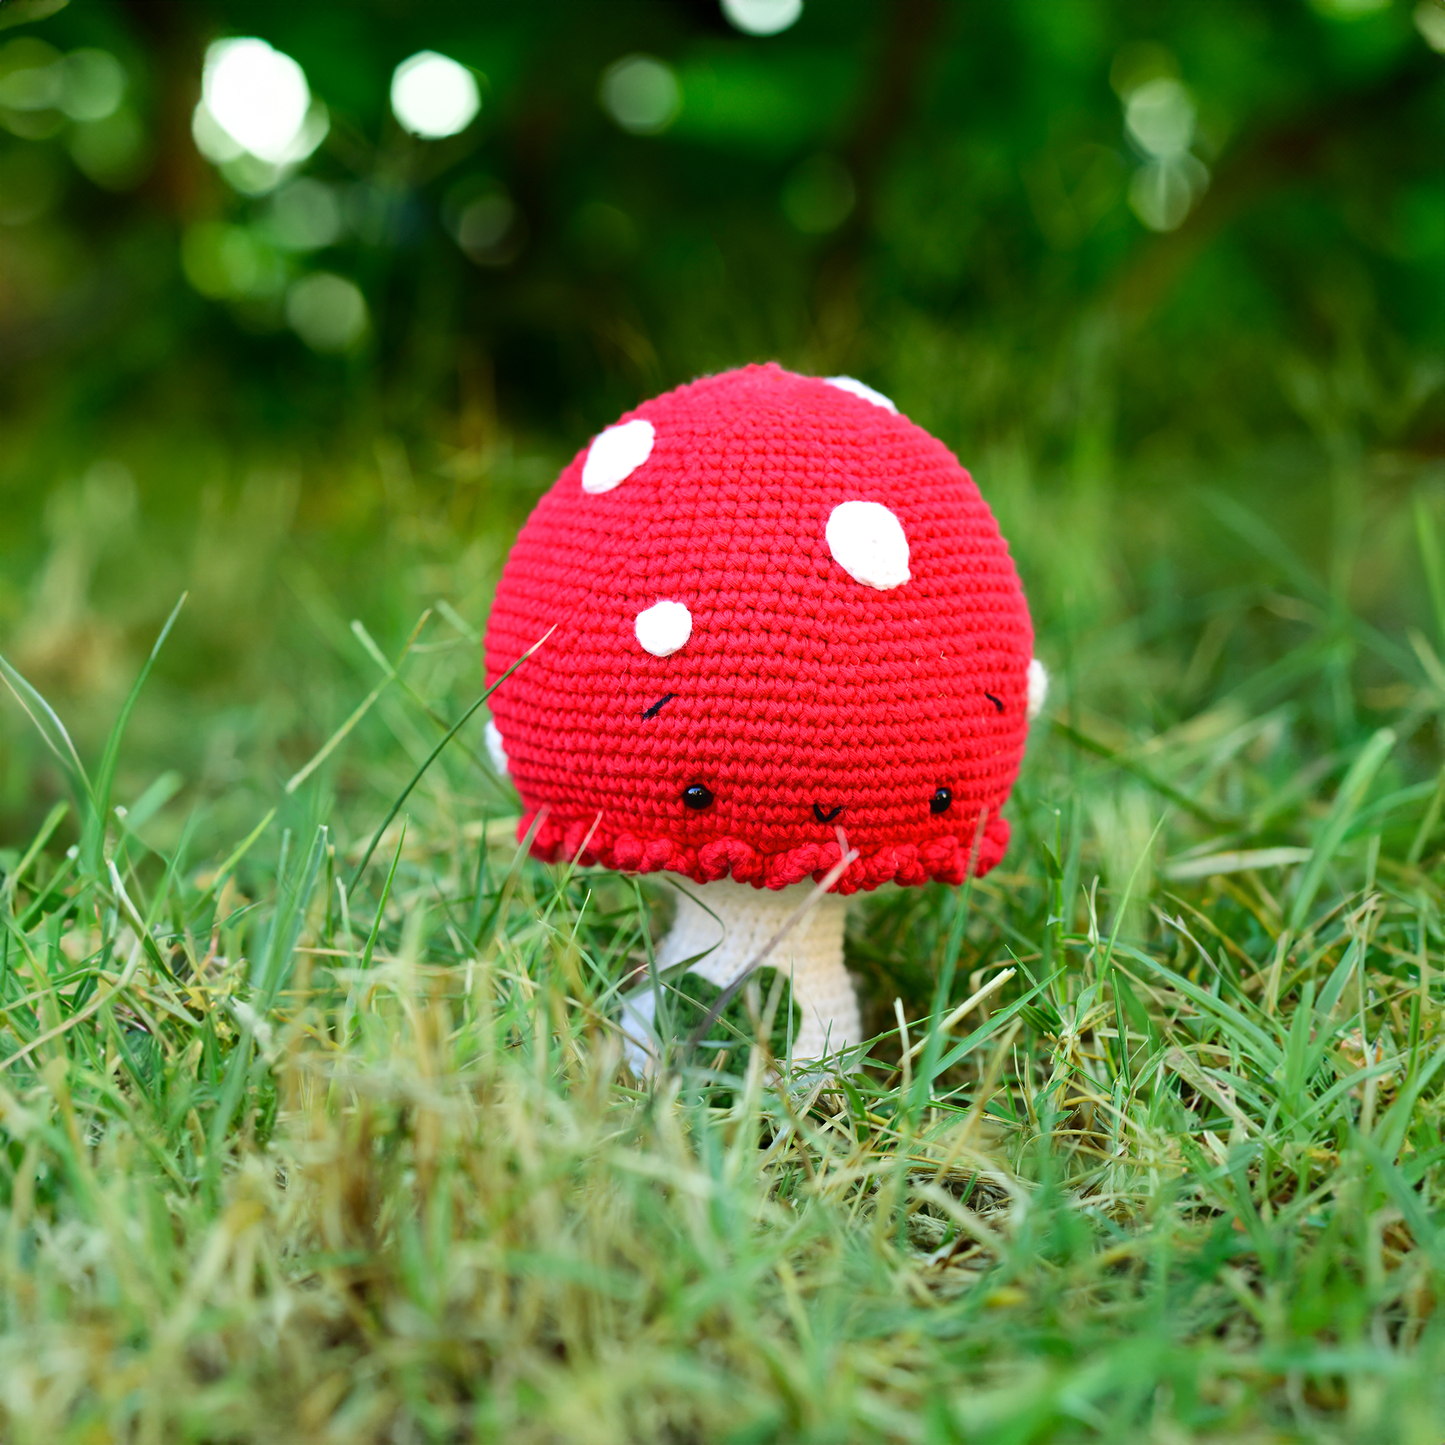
785, 622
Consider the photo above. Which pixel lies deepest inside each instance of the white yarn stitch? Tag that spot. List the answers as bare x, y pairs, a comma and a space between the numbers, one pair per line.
728, 923
868, 542
663, 628
496, 748
862, 389
1038, 688
616, 454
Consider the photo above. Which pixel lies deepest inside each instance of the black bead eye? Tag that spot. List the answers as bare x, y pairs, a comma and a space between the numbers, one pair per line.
940, 801
697, 797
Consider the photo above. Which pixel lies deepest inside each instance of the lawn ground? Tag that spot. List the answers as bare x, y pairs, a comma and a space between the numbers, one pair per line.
300, 1149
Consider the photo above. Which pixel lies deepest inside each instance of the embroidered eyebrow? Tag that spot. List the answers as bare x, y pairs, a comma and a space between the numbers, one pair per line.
996, 701
658, 706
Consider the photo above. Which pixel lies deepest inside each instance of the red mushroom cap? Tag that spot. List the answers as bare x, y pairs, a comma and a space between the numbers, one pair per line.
778, 697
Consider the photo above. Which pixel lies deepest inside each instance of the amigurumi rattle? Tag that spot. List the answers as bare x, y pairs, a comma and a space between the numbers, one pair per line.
784, 618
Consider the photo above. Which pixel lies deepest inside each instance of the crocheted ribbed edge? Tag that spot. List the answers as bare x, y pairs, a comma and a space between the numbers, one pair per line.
940, 860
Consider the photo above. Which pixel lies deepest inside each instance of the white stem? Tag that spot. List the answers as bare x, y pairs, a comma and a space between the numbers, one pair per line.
745, 919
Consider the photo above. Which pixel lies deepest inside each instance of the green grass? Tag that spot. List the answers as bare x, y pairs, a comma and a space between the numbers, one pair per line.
288, 1156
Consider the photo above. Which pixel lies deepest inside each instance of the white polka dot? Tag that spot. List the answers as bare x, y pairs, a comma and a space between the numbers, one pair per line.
616, 454
664, 628
867, 542
496, 749
1038, 687
858, 388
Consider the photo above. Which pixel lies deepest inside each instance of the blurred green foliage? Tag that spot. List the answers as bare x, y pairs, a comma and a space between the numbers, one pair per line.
1124, 257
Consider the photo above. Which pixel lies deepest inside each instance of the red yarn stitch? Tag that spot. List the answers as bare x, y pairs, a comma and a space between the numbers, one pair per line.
798, 684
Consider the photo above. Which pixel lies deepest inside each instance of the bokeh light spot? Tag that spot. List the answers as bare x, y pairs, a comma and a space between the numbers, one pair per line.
111, 151
641, 94
92, 83
433, 96
1430, 22
304, 216
1164, 189
257, 96
1159, 119
251, 175
484, 221
30, 77
222, 262
217, 145
488, 232
326, 311
762, 17
1159, 116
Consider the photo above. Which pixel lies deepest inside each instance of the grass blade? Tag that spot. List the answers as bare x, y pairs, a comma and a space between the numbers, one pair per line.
1252, 1039
237, 853
50, 728
286, 924
337, 738
381, 906
52, 822
93, 834
1151, 779
1331, 835
435, 753
990, 1027
933, 1039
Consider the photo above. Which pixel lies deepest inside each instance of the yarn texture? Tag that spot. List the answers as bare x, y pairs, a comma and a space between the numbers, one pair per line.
729, 925
799, 693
